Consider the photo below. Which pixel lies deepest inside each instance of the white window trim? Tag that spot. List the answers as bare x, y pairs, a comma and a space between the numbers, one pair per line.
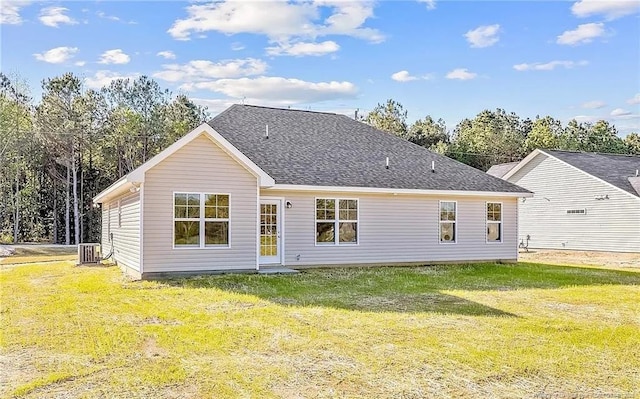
336, 222
200, 219
455, 224
487, 221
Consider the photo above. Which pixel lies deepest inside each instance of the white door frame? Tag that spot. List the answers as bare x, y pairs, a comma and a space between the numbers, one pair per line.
279, 259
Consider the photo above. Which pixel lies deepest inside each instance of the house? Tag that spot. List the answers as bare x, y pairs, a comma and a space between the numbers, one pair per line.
582, 201
257, 187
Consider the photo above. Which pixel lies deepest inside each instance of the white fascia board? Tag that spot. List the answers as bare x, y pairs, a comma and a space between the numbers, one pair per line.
375, 190
522, 163
119, 187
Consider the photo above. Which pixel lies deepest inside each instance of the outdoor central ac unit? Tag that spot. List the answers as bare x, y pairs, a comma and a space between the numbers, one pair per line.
89, 253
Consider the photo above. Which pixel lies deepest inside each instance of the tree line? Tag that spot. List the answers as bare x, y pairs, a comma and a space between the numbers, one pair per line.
494, 137
58, 153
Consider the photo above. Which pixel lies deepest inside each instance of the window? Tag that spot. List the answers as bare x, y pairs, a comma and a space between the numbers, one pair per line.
494, 222
336, 221
448, 221
200, 220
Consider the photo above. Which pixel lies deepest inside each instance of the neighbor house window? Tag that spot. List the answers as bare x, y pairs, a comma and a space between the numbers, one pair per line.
200, 220
494, 222
336, 221
576, 211
448, 211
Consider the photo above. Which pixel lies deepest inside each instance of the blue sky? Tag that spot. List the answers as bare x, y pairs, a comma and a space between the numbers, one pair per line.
447, 59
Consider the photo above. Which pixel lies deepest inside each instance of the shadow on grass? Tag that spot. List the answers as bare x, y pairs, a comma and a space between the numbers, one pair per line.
406, 289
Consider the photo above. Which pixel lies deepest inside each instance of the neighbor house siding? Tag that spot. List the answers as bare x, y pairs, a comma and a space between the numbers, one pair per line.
611, 224
398, 229
199, 167
126, 234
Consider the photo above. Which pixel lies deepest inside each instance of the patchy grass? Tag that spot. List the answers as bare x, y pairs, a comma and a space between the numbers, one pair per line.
39, 253
482, 330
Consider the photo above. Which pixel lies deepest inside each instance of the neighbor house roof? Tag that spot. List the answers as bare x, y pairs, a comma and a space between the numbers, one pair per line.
325, 149
618, 170
615, 169
501, 169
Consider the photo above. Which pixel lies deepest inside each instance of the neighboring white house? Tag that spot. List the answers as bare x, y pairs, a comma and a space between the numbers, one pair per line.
258, 187
583, 201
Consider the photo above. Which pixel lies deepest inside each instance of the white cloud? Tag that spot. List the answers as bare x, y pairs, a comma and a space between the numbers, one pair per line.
103, 15
10, 11
548, 66
54, 16
303, 48
115, 56
278, 90
237, 46
431, 4
167, 55
594, 104
610, 9
586, 118
201, 70
104, 78
461, 74
620, 112
483, 36
634, 100
584, 33
403, 76
215, 105
80, 63
280, 21
57, 55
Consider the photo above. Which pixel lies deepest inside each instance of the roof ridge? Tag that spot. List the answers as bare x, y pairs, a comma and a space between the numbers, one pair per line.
283, 109
592, 153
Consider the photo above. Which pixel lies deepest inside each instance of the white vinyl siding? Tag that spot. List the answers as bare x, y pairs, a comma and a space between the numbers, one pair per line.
106, 228
200, 166
397, 229
611, 224
121, 218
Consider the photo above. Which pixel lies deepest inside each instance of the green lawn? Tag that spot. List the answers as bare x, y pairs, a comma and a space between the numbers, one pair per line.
486, 330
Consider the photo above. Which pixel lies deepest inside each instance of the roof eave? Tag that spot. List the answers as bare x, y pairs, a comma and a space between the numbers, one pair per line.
118, 188
397, 191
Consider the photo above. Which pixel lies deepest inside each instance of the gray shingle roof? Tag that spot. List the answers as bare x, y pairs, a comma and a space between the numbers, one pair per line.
501, 169
324, 149
615, 169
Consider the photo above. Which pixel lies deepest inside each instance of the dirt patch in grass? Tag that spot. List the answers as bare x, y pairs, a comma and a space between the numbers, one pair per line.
613, 260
